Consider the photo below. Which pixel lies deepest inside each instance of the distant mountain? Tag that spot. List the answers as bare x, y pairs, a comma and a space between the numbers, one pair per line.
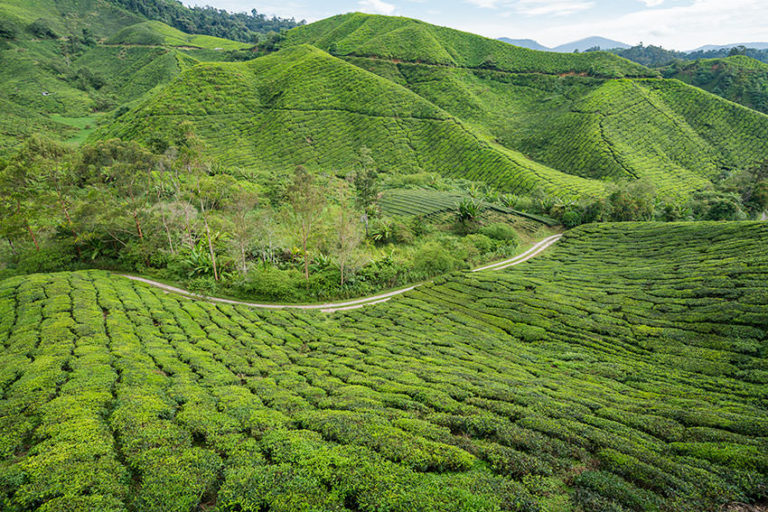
710, 47
525, 43
590, 42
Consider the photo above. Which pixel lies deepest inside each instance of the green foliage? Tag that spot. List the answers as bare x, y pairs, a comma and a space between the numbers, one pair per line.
501, 232
151, 33
411, 40
739, 78
240, 26
42, 28
625, 383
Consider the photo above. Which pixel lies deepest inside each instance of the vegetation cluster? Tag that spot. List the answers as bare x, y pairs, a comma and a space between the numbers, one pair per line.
623, 384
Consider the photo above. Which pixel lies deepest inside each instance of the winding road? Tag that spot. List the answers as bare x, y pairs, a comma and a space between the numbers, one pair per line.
352, 304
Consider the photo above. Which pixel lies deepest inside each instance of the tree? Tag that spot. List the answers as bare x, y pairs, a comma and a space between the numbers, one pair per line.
53, 169
241, 208
366, 185
24, 181
347, 232
307, 203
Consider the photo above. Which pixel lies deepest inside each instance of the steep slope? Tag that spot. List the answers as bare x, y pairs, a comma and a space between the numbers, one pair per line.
54, 62
739, 78
624, 371
677, 136
405, 39
303, 106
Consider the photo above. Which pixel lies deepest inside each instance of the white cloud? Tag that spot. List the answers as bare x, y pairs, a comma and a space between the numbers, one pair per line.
553, 8
679, 27
376, 7
537, 7
486, 4
652, 3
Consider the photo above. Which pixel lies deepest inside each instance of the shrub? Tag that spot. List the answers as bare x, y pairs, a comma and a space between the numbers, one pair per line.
272, 283
432, 259
501, 232
43, 29
8, 29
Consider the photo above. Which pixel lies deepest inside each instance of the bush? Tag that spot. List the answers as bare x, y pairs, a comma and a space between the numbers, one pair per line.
432, 259
8, 29
501, 232
43, 29
271, 283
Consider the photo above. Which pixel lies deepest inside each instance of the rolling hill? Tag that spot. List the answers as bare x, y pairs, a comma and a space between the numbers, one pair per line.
589, 43
624, 371
81, 59
739, 78
513, 117
304, 106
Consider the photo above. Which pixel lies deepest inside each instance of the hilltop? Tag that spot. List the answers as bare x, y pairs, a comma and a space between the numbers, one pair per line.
579, 119
67, 62
738, 78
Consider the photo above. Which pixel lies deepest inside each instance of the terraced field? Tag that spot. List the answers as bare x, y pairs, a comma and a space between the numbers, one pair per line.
624, 370
425, 203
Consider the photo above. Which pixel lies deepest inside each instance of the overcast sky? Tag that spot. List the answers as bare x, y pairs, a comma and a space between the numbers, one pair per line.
677, 24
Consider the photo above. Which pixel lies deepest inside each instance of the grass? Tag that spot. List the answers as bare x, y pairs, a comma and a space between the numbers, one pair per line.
84, 125
623, 370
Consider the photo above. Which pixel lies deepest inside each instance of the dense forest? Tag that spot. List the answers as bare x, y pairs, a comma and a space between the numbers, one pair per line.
239, 26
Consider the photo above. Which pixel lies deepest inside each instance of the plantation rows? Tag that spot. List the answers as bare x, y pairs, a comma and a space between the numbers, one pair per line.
425, 202
301, 106
415, 41
624, 370
674, 135
418, 202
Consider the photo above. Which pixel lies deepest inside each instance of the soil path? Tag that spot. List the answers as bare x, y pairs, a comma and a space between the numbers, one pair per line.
352, 304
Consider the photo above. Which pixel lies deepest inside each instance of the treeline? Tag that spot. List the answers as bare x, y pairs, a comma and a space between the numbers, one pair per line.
177, 216
238, 26
656, 56
737, 195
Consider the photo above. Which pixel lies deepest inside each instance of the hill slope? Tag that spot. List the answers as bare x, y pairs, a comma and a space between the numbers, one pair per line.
55, 62
624, 371
739, 78
303, 106
405, 39
507, 108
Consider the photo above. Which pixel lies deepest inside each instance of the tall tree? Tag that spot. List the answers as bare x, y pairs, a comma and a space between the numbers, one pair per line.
307, 203
347, 229
366, 185
241, 208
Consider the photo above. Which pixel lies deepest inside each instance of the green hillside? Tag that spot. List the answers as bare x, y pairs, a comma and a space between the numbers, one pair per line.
303, 106
409, 40
562, 123
625, 371
740, 79
155, 33
54, 62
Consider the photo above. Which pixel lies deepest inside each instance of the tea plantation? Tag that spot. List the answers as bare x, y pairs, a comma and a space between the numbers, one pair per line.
424, 98
624, 370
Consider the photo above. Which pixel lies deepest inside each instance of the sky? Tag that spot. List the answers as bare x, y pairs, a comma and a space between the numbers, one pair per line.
674, 24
